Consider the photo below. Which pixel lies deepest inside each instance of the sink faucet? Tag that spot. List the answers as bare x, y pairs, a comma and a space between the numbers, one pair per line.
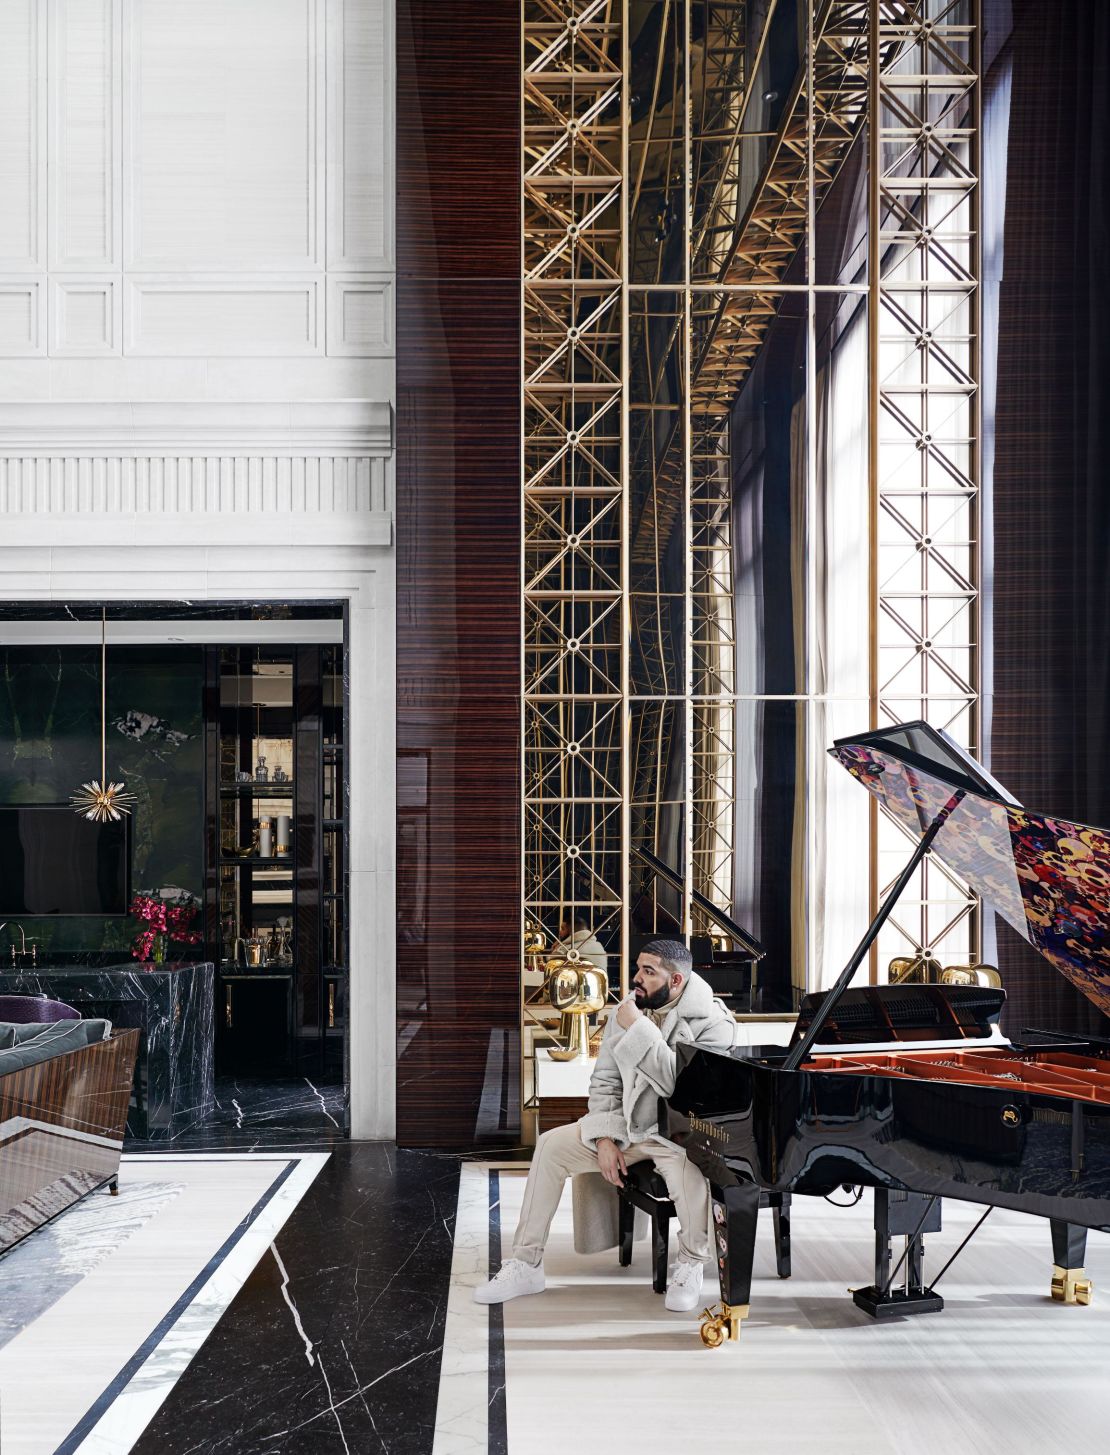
23, 951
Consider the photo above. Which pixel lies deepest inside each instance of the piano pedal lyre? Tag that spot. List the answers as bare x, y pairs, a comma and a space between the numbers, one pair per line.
722, 1322
1071, 1285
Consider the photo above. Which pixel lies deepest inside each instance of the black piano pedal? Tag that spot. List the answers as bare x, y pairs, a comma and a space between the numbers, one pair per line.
901, 1214
1070, 1283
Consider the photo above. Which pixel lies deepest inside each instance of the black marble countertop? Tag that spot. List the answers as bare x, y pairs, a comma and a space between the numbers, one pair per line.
129, 980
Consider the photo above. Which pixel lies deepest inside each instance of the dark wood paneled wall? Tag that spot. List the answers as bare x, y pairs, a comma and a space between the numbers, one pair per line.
458, 593
1051, 540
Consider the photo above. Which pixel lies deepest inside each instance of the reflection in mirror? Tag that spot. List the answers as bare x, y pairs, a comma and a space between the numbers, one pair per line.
657, 492
768, 426
658, 814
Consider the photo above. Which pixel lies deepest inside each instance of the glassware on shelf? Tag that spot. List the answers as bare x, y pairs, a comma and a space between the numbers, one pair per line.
261, 772
280, 775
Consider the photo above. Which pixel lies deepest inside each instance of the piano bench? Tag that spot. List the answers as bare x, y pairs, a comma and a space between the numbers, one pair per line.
645, 1189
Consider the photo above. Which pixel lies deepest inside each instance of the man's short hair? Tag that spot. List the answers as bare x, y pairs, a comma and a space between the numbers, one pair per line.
676, 958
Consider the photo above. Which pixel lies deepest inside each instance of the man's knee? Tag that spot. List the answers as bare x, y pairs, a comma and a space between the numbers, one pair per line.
680, 1174
553, 1145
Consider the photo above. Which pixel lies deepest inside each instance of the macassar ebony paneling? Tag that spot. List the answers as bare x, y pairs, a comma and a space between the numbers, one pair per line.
458, 590
63, 1121
1051, 510
459, 719
458, 139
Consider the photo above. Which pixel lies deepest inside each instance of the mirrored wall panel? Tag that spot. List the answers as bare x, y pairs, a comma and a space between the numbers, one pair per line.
750, 469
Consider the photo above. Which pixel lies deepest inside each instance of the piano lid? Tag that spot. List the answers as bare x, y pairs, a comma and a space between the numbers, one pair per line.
1047, 877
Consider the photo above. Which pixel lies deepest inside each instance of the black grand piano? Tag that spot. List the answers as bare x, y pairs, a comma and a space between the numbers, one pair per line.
912, 1089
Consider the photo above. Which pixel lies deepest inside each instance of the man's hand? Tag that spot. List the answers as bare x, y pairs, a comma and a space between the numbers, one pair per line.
628, 1012
611, 1160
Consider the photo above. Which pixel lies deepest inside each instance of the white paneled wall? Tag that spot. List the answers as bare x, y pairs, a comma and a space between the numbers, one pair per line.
196, 349
194, 178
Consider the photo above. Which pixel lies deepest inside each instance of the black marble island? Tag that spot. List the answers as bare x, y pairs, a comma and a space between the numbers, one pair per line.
172, 1007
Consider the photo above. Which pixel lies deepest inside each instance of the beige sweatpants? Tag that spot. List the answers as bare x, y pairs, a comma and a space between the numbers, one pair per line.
560, 1153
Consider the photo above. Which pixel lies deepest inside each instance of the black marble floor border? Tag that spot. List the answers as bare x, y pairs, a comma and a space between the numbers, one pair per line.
362, 1286
498, 1437
112, 1391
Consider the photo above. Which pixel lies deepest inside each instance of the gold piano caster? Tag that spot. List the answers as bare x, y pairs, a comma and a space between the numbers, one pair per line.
1071, 1285
722, 1322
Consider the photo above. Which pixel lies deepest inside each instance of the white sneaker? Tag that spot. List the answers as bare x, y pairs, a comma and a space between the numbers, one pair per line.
513, 1279
684, 1287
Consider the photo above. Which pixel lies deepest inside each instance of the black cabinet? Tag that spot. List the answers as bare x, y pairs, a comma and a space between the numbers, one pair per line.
276, 856
254, 1022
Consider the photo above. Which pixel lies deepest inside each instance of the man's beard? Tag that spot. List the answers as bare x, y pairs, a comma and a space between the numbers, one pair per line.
656, 1000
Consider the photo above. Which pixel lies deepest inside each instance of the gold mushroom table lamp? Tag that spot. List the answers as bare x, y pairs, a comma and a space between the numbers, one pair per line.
576, 989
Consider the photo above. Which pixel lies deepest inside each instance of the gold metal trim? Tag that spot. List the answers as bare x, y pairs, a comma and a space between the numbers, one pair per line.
1071, 1285
721, 1322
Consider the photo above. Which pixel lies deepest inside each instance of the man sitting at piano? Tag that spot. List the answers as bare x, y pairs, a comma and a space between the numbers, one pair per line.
636, 1066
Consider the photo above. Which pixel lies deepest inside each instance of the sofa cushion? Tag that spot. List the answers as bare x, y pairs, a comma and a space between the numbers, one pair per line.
34, 1043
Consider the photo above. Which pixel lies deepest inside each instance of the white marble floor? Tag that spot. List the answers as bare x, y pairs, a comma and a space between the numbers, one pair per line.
101, 1311
596, 1364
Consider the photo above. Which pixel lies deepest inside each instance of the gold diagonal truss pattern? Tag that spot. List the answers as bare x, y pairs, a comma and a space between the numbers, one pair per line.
926, 398
574, 633
662, 228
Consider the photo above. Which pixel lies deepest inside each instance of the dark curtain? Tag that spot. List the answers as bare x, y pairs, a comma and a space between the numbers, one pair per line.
1050, 739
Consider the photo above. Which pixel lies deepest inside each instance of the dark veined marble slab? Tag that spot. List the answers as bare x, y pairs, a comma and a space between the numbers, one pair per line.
333, 1344
172, 1005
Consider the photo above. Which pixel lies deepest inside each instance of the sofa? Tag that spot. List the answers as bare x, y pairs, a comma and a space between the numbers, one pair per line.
64, 1091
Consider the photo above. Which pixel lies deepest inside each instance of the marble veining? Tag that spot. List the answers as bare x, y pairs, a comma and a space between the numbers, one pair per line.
254, 1114
173, 1007
334, 1343
124, 1332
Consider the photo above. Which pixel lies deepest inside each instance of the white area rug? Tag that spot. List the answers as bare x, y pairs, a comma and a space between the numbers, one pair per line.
102, 1310
596, 1364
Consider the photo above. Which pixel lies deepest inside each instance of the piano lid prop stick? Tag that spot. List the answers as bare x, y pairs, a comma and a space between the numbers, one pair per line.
962, 1246
828, 1005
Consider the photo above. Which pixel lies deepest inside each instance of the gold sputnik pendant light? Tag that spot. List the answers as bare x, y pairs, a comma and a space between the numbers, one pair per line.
99, 800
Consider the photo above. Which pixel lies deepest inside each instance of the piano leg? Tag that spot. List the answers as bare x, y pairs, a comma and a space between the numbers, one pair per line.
1070, 1283
735, 1216
780, 1211
626, 1231
659, 1228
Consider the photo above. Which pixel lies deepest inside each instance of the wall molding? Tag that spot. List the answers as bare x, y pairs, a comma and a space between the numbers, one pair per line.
360, 99
22, 318
65, 294
139, 254
202, 325
360, 316
308, 429
85, 189
257, 571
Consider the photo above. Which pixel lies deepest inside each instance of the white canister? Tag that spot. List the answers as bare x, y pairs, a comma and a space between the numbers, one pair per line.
265, 838
283, 826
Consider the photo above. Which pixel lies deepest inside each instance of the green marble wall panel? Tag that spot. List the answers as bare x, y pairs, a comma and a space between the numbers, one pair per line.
50, 744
